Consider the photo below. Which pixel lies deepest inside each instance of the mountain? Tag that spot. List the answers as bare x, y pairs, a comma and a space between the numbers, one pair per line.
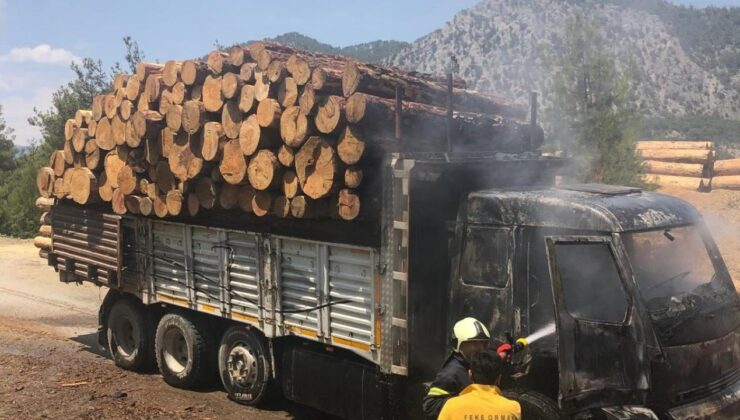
371, 52
687, 59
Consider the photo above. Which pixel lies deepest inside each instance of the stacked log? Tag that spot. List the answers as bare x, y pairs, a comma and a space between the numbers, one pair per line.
726, 174
677, 163
266, 129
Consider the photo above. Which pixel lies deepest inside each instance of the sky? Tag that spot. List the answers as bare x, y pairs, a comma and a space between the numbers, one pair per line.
40, 38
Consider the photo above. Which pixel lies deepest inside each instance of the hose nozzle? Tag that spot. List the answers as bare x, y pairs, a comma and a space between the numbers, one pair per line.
519, 345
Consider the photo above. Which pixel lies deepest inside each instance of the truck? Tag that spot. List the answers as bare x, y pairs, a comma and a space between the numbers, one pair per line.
355, 320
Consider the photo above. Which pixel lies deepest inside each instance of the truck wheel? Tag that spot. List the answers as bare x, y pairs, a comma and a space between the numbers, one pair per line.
244, 366
182, 349
129, 336
536, 406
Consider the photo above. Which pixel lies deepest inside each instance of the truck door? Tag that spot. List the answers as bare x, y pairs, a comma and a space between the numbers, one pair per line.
601, 347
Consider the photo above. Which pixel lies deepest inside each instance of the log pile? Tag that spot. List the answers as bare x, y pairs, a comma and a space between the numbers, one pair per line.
677, 163
726, 174
264, 129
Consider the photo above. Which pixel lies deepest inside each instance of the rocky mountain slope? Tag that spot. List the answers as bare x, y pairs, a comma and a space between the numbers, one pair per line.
687, 60
372, 52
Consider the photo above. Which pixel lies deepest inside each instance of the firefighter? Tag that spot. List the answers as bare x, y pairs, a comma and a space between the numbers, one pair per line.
482, 398
470, 336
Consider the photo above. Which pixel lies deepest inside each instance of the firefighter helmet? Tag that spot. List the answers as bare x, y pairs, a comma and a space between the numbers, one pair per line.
469, 329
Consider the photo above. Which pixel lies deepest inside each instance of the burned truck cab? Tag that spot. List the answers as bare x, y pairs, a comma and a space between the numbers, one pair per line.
624, 296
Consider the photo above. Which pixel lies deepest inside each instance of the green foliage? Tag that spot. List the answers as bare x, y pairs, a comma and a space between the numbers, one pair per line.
7, 148
592, 116
18, 193
372, 52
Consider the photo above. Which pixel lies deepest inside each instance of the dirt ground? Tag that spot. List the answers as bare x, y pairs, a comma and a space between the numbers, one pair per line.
721, 211
52, 367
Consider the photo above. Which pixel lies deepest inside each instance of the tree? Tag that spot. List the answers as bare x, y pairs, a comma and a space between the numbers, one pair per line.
593, 116
7, 147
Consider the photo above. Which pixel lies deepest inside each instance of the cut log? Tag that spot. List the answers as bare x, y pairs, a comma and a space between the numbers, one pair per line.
307, 100
263, 170
127, 180
193, 204
70, 126
329, 114
57, 162
302, 207
286, 156
673, 168
58, 190
246, 72
69, 153
721, 167
275, 71
113, 164
293, 126
104, 136
105, 190
352, 177
231, 119
118, 202
261, 86
350, 146
379, 81
79, 139
160, 206
213, 141
207, 193
165, 179
178, 93
348, 204
126, 109
299, 69
83, 117
118, 130
93, 159
147, 123
44, 203
281, 206
137, 160
144, 70
171, 72
42, 242
237, 55
290, 184
231, 85
97, 107
153, 88
213, 97
119, 81
218, 63
193, 72
67, 180
45, 181
184, 158
250, 136
268, 113
138, 205
287, 92
315, 165
174, 202
193, 116
167, 138
233, 165
134, 87
674, 144
174, 117
45, 218
244, 198
152, 150
260, 55
84, 186
262, 203
726, 182
246, 98
109, 105
678, 155
228, 196
92, 128
690, 183
196, 93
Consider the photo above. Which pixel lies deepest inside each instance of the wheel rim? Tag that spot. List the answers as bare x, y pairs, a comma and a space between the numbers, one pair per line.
126, 336
242, 366
175, 350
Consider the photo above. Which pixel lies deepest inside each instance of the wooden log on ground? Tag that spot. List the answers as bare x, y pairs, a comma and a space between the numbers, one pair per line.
174, 202
213, 141
315, 165
294, 128
382, 82
193, 72
348, 204
42, 242
84, 186
690, 183
213, 97
721, 167
678, 155
207, 193
231, 119
726, 182
674, 144
228, 196
233, 166
673, 168
45, 181
263, 170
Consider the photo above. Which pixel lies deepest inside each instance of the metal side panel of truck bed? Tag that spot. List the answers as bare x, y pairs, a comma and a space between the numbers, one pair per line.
284, 286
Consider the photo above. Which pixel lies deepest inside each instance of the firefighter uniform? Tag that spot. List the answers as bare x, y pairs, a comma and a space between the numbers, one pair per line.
448, 383
483, 402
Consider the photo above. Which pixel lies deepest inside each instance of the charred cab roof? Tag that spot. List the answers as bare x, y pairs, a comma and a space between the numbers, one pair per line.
587, 207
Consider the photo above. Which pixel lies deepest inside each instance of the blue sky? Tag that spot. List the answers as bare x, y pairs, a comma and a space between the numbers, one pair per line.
38, 39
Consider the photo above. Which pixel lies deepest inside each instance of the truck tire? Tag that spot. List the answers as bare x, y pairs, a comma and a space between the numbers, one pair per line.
182, 347
129, 336
536, 406
245, 367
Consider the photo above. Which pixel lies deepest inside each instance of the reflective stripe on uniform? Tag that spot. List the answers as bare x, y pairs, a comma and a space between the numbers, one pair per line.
437, 392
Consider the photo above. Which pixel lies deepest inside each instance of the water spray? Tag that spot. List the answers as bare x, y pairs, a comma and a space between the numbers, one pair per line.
516, 346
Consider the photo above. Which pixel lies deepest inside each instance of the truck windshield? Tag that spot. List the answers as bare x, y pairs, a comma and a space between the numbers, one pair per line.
687, 299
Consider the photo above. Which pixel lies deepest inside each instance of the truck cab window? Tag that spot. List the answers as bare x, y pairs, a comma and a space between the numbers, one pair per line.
485, 259
592, 289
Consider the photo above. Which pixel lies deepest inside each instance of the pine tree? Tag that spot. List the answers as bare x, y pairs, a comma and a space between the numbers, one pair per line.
593, 116
7, 147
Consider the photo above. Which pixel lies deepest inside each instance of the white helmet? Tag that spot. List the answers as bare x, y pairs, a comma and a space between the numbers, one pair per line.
469, 329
